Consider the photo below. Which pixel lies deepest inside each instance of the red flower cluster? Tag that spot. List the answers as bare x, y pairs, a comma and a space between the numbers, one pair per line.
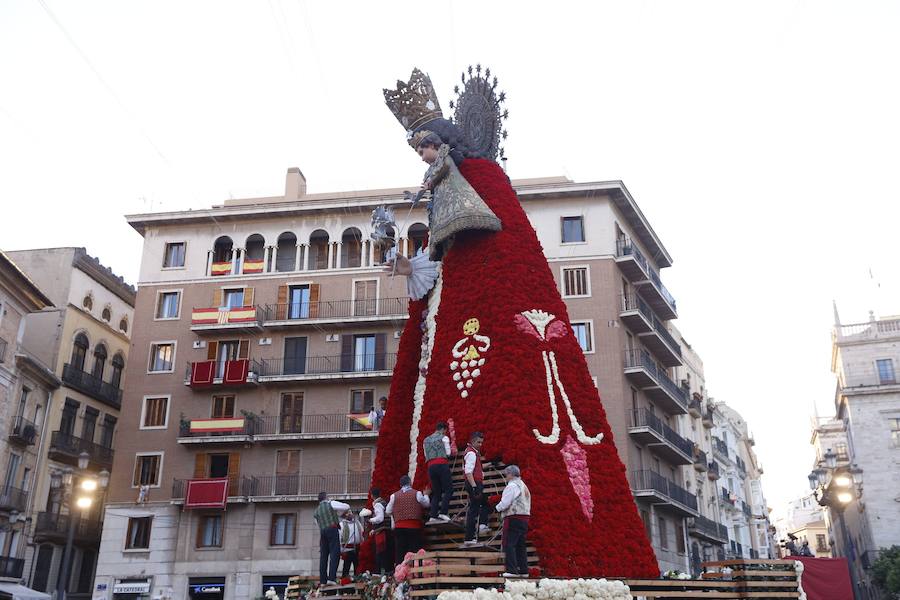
494, 277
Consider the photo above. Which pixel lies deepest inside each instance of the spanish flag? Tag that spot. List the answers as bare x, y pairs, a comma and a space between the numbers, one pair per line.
253, 265
362, 419
217, 425
221, 268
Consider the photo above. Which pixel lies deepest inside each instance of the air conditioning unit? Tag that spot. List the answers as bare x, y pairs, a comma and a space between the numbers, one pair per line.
332, 337
265, 341
199, 344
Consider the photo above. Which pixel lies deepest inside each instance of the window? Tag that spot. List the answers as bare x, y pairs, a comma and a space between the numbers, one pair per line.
156, 413
137, 537
107, 431
99, 361
218, 465
123, 325
821, 544
365, 297
106, 314
23, 401
359, 460
842, 451
886, 371
895, 432
298, 302
284, 527
663, 534
146, 470
292, 412
174, 257
575, 282
209, 531
222, 407
679, 541
79, 352
118, 364
162, 357
584, 335
364, 352
88, 302
233, 298
167, 305
572, 230
648, 529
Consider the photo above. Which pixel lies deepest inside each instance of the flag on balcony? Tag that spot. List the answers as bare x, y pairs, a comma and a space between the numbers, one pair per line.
223, 316
221, 268
236, 371
825, 578
202, 372
206, 493
362, 419
217, 425
242, 314
253, 265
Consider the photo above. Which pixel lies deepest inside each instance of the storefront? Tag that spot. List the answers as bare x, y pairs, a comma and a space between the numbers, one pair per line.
132, 589
206, 588
279, 582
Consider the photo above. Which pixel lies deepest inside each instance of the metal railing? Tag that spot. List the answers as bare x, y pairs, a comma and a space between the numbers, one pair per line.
754, 553
253, 369
328, 365
710, 528
179, 487
742, 467
224, 317
625, 247
651, 480
726, 496
55, 524
745, 508
714, 469
657, 282
635, 302
709, 416
641, 417
695, 405
184, 430
353, 483
640, 358
305, 424
93, 386
700, 457
13, 498
660, 328
336, 309
23, 431
720, 446
72, 446
11, 567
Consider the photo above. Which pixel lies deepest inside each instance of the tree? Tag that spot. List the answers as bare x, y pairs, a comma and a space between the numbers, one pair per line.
886, 571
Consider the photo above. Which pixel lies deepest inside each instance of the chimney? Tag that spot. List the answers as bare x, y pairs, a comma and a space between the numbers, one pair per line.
294, 185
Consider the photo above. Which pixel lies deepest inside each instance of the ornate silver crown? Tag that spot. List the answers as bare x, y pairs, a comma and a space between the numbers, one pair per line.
478, 112
414, 103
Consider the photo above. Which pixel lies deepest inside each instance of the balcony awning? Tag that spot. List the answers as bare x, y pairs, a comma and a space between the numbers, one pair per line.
20, 592
206, 493
217, 425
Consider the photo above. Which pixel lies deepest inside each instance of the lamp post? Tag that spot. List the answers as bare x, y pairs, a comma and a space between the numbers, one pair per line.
62, 482
835, 488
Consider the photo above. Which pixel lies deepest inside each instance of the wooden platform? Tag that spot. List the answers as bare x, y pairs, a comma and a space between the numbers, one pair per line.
455, 570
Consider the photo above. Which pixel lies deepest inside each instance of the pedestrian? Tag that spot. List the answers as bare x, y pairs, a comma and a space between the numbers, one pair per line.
479, 510
515, 508
351, 538
326, 516
381, 531
377, 414
437, 454
407, 507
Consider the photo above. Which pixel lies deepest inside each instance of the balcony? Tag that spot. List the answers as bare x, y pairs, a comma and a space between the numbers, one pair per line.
271, 428
23, 432
643, 371
701, 463
66, 448
707, 529
695, 406
205, 374
741, 466
707, 419
11, 568
216, 431
745, 508
54, 527
302, 487
714, 472
235, 489
243, 319
659, 490
661, 301
638, 316
755, 553
94, 387
728, 499
736, 550
720, 449
649, 430
631, 260
335, 312
13, 499
321, 368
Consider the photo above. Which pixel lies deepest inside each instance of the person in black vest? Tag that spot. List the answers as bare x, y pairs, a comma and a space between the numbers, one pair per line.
479, 511
437, 458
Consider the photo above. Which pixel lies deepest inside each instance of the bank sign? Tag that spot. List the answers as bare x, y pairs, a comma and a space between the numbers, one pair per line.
138, 587
207, 588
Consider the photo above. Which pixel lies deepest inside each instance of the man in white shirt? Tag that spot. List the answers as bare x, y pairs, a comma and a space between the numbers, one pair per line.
407, 508
515, 508
478, 510
377, 414
384, 563
351, 538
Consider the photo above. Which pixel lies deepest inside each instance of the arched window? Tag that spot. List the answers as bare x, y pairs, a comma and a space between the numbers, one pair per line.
222, 249
318, 250
106, 314
79, 351
99, 361
118, 365
254, 254
417, 234
88, 302
351, 248
123, 325
286, 259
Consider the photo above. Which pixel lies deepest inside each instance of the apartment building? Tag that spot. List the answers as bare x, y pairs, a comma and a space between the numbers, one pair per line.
864, 434
263, 324
805, 520
85, 340
26, 389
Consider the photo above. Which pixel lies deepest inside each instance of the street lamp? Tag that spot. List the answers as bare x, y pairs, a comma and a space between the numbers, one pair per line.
62, 484
836, 487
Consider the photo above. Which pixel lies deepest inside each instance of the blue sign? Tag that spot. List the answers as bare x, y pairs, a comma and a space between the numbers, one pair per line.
207, 588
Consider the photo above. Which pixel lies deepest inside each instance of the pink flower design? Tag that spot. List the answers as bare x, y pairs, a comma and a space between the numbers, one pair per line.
575, 459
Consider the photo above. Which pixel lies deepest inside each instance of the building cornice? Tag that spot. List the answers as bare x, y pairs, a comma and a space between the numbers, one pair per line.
21, 286
531, 189
36, 369
104, 276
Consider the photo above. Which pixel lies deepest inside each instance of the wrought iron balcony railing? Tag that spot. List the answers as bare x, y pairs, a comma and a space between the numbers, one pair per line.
653, 481
13, 499
94, 387
68, 447
336, 309
328, 365
11, 567
55, 525
306, 424
23, 431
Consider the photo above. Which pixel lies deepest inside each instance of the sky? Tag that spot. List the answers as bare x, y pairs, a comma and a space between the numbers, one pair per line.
759, 138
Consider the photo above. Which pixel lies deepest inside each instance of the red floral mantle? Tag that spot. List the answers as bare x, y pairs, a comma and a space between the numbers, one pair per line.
494, 277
